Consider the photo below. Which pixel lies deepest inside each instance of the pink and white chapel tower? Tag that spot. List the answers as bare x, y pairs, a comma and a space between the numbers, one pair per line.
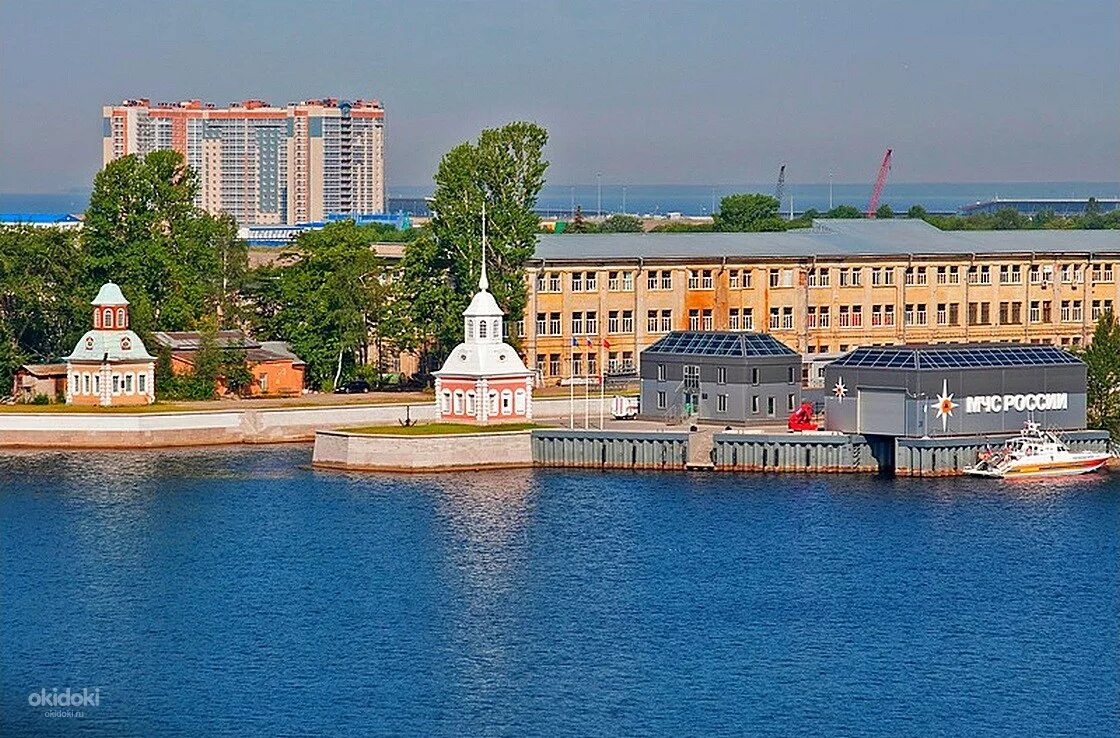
483, 380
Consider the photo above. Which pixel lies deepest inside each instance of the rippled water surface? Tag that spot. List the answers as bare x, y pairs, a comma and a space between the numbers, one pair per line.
236, 592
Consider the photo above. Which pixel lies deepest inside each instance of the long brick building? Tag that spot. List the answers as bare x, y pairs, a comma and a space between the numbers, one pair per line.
839, 284
260, 163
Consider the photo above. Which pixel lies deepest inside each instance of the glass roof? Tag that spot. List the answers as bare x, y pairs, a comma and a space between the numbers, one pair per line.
720, 343
955, 357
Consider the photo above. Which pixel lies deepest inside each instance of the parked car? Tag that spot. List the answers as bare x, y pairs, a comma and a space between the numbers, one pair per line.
355, 387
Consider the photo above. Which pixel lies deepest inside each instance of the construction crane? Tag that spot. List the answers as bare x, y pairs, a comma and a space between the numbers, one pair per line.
884, 168
780, 189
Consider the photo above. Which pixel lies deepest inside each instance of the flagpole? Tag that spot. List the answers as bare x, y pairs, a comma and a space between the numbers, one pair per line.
571, 385
602, 384
586, 397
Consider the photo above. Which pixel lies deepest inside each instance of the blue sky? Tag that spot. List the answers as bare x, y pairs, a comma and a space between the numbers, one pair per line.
654, 92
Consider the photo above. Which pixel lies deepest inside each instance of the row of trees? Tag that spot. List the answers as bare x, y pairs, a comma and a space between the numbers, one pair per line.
331, 297
179, 266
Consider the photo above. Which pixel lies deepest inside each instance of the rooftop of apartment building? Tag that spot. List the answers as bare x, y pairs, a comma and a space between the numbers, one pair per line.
251, 104
826, 238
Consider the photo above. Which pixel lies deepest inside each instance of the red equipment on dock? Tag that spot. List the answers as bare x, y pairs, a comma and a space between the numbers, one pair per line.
801, 419
884, 168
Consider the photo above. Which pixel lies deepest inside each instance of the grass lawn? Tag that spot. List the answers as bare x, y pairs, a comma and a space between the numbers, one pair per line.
442, 429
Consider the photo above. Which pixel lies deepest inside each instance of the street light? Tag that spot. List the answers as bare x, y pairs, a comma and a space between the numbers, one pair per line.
599, 187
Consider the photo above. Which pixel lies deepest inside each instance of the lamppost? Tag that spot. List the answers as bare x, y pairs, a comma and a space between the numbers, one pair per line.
830, 189
599, 188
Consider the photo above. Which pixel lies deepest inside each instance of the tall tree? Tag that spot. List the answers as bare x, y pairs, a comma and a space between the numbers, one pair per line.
177, 264
1102, 357
327, 300
884, 211
748, 212
504, 172
44, 307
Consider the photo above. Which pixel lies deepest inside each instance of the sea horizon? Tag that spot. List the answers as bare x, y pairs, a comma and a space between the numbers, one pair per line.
696, 199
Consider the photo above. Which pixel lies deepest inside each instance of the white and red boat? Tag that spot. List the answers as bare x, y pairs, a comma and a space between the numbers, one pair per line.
1036, 453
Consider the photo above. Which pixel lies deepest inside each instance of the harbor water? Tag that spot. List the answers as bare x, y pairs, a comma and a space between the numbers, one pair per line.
236, 592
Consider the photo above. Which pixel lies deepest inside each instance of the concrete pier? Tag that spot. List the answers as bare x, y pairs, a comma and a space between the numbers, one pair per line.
799, 452
610, 449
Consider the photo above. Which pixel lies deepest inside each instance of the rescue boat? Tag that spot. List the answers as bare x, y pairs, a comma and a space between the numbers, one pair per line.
1036, 453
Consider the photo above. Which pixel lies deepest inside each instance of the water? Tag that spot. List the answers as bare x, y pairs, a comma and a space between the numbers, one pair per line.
236, 592
698, 199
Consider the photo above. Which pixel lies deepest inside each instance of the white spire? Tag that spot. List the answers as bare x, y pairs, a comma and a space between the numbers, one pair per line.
483, 282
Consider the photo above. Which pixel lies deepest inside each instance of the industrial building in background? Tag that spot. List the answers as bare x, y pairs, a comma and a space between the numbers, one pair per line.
260, 163
820, 290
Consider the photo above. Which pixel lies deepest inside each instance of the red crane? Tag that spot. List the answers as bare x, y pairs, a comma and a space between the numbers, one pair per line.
884, 168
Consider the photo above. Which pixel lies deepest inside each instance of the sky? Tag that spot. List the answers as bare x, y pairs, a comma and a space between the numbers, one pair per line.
643, 92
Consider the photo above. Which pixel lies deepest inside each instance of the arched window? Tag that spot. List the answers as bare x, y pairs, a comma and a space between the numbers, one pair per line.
97, 384
482, 329
446, 401
120, 318
85, 383
470, 329
96, 318
142, 383
519, 401
470, 403
116, 384
498, 328
507, 402
107, 318
493, 402
458, 402
75, 384
128, 383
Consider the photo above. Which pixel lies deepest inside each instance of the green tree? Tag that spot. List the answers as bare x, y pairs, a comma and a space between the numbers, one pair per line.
620, 223
1009, 219
1102, 358
1043, 218
916, 212
44, 305
748, 212
884, 211
324, 298
844, 211
580, 224
678, 226
502, 172
177, 264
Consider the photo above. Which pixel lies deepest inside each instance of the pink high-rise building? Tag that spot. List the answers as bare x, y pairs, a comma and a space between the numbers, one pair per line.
260, 163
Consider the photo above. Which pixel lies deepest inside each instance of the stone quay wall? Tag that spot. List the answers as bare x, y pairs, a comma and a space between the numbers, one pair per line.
218, 427
395, 453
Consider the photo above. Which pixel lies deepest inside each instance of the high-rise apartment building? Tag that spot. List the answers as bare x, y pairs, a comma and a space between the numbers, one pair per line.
264, 164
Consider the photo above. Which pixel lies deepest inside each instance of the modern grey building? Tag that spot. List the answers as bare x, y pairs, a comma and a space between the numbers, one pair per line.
954, 389
720, 376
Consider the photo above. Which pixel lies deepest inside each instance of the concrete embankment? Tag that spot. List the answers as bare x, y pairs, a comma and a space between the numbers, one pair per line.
396, 453
215, 427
